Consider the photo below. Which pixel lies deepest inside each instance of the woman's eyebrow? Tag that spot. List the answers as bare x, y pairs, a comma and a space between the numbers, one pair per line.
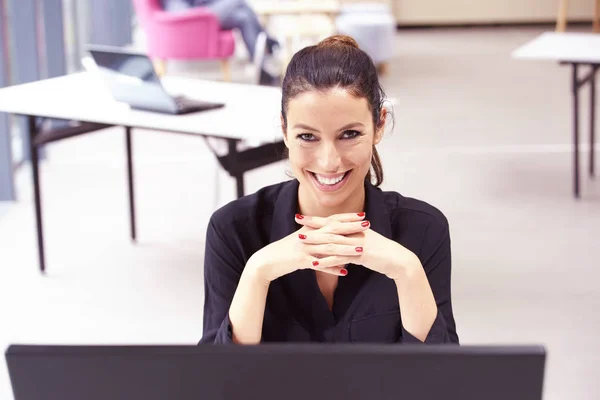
343, 128
352, 125
303, 126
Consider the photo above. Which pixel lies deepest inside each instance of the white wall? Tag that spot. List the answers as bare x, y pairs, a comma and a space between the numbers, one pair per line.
486, 11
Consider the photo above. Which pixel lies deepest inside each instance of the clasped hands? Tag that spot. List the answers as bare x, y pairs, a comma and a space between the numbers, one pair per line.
328, 244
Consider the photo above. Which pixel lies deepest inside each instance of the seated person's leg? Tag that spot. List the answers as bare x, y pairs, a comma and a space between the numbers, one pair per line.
238, 14
177, 5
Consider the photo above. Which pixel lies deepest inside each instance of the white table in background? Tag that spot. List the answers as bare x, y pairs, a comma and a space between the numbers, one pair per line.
577, 50
251, 113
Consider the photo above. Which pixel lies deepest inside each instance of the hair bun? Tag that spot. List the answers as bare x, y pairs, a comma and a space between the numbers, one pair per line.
338, 41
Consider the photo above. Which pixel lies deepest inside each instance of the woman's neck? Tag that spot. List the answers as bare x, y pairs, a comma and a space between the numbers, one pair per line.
308, 205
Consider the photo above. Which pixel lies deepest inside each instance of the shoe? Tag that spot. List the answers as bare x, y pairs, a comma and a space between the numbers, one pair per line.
272, 45
266, 79
270, 71
272, 65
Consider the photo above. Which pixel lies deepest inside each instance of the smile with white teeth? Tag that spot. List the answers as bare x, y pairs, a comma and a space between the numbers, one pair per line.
329, 180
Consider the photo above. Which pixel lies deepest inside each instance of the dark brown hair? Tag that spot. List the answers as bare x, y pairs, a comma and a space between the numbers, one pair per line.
336, 61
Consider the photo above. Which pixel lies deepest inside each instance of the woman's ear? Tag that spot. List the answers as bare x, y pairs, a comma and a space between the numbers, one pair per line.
380, 126
284, 131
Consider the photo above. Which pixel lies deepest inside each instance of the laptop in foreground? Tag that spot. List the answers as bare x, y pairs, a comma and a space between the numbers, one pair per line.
131, 79
276, 371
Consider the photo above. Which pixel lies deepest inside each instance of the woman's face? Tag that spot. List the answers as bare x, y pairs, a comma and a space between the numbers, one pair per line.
330, 137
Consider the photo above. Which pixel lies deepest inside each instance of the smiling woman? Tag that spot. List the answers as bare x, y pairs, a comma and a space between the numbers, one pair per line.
331, 150
322, 256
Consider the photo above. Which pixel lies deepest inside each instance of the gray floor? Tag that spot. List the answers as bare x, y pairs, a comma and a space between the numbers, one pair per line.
483, 137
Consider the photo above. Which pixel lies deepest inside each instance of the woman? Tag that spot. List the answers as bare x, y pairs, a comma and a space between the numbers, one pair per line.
329, 256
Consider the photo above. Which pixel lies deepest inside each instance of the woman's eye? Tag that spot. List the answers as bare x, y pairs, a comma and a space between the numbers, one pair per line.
307, 137
350, 134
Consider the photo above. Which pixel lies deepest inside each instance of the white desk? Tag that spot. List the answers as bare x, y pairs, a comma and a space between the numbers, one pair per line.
575, 49
250, 110
250, 113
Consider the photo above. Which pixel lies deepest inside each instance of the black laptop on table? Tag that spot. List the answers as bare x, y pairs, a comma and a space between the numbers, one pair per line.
276, 372
131, 79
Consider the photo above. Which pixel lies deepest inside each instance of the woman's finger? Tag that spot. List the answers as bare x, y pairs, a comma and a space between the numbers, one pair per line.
348, 217
319, 222
337, 270
327, 233
358, 235
331, 261
311, 222
317, 238
331, 249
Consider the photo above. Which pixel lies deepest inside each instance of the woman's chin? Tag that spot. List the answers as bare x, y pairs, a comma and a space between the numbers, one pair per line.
332, 200
330, 203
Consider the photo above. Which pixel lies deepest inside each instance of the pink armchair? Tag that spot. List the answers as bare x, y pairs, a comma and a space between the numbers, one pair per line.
192, 34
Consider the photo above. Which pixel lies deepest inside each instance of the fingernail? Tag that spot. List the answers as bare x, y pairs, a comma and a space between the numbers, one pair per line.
361, 214
301, 236
359, 249
299, 216
344, 271
315, 263
365, 223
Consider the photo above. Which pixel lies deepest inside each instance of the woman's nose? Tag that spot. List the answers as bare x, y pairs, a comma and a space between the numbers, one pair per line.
329, 157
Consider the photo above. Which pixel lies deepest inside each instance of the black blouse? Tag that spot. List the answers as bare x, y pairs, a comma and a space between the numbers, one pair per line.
365, 306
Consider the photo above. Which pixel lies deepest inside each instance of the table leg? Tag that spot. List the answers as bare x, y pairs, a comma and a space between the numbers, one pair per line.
240, 185
130, 183
237, 172
592, 119
31, 125
575, 87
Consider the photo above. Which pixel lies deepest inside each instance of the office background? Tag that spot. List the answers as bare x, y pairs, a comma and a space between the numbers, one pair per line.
482, 136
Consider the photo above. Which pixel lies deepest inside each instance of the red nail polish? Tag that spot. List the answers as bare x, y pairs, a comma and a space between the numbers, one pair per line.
344, 271
361, 214
365, 223
299, 216
359, 249
315, 263
301, 236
